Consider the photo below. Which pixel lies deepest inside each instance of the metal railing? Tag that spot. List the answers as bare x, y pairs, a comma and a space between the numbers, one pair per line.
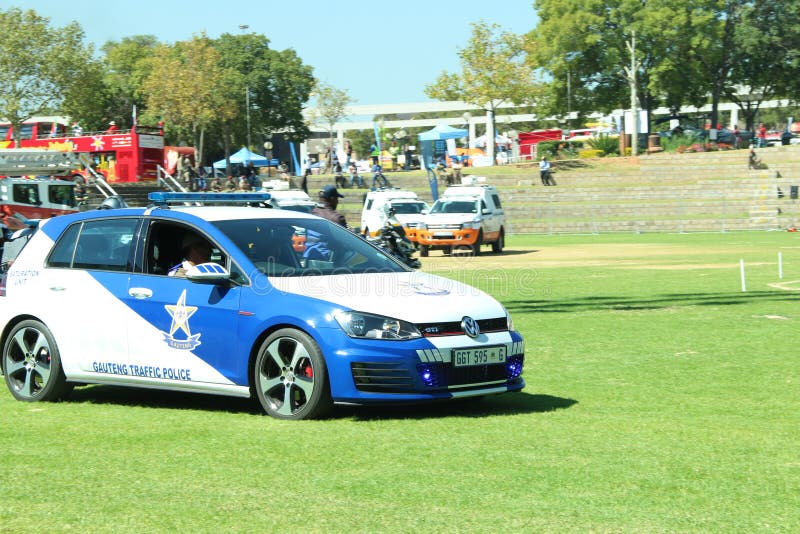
96, 179
168, 181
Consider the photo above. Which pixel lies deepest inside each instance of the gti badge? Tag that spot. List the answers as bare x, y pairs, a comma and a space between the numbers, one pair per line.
180, 313
470, 326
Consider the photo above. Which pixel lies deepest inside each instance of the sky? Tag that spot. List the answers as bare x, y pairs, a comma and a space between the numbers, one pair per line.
379, 52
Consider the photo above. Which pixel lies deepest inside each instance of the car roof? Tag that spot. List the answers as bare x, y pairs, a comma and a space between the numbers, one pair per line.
207, 213
289, 194
393, 193
225, 213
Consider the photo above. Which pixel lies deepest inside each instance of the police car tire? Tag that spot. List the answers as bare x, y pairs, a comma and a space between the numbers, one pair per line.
25, 382
281, 376
497, 246
476, 247
423, 251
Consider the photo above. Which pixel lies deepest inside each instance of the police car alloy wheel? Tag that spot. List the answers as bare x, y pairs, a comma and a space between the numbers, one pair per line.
290, 376
32, 365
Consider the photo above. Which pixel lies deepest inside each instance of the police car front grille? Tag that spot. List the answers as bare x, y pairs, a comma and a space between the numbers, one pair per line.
453, 328
381, 377
444, 227
446, 376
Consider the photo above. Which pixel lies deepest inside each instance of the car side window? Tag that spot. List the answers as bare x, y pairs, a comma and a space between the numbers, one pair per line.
165, 241
99, 245
496, 200
62, 253
27, 194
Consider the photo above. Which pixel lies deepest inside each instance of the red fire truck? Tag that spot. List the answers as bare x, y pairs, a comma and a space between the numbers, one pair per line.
121, 156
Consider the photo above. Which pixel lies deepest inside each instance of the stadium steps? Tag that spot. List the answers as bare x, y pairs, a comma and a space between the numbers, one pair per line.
713, 191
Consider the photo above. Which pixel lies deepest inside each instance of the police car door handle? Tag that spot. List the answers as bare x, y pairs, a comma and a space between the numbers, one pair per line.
140, 292
57, 288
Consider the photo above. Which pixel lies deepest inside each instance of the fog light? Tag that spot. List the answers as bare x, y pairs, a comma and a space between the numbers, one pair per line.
428, 375
514, 367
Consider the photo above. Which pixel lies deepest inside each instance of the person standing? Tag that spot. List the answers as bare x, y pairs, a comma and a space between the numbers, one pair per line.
306, 174
394, 152
544, 172
348, 150
374, 153
737, 137
407, 154
761, 135
200, 178
328, 202
377, 176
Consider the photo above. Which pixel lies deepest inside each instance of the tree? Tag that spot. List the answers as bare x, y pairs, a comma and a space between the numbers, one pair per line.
127, 65
277, 82
189, 89
493, 72
39, 65
765, 55
585, 42
331, 105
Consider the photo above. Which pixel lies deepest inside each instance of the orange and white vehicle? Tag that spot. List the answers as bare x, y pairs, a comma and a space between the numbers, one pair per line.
120, 155
464, 216
384, 204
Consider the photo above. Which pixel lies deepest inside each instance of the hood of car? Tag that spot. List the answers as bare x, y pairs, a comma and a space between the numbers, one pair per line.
450, 218
410, 296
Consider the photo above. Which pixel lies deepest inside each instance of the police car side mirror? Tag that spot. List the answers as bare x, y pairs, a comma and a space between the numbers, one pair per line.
487, 211
424, 212
208, 273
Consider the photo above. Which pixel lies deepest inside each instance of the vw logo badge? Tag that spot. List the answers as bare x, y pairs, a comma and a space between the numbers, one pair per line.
470, 326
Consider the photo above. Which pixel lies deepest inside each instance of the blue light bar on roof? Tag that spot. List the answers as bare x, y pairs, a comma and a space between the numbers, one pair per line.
164, 197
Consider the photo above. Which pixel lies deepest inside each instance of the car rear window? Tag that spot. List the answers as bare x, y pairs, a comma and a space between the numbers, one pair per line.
97, 245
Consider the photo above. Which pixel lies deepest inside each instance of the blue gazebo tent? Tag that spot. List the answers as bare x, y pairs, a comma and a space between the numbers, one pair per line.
243, 157
427, 139
442, 131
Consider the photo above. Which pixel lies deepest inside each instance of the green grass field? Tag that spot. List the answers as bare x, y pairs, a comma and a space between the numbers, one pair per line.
659, 398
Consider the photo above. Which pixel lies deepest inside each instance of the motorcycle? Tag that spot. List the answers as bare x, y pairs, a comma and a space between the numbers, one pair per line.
392, 238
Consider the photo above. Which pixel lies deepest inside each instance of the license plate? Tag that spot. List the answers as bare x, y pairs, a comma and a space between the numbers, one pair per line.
482, 356
445, 235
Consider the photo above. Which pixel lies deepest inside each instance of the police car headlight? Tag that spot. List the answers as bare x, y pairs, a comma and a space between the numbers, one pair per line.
369, 326
509, 320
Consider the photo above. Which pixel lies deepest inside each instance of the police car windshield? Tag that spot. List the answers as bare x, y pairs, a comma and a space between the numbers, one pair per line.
455, 206
408, 208
305, 247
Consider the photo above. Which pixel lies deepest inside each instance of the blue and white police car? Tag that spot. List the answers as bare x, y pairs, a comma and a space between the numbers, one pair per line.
286, 307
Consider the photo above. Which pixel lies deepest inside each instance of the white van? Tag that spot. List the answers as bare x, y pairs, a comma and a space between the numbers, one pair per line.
408, 209
294, 200
464, 216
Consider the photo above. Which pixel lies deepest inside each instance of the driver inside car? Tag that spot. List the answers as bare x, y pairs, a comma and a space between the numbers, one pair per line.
195, 250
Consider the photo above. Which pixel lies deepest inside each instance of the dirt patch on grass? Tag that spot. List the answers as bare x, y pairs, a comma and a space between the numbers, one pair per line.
626, 256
